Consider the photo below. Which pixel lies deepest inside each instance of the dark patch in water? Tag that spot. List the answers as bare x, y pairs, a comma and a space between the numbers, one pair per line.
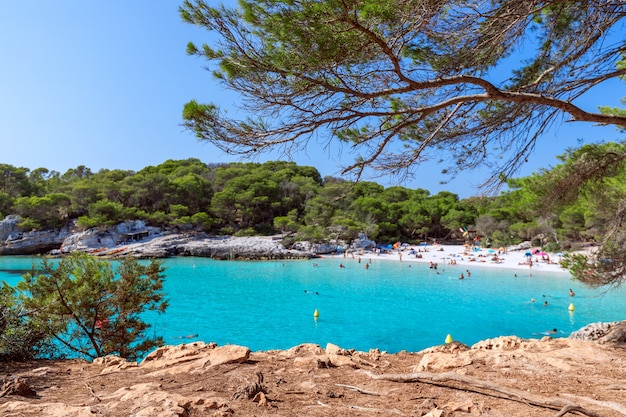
19, 272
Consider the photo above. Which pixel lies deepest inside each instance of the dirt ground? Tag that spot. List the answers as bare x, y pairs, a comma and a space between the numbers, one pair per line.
503, 377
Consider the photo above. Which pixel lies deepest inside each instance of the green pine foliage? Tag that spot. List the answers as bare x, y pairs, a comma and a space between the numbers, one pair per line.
90, 308
21, 337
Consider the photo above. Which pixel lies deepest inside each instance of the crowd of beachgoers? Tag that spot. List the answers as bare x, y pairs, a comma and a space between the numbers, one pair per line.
436, 255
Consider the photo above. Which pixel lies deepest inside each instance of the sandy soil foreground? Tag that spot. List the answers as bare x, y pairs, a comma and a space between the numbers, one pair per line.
500, 377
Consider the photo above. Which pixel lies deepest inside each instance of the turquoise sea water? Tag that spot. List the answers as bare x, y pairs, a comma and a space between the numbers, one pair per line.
392, 305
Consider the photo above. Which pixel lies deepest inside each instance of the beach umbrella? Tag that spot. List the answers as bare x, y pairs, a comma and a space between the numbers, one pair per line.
491, 251
528, 254
542, 253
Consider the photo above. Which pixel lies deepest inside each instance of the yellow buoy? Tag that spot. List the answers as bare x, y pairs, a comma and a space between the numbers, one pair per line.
316, 313
571, 307
449, 339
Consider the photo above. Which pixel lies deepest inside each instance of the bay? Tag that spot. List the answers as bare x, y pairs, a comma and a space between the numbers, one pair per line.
391, 306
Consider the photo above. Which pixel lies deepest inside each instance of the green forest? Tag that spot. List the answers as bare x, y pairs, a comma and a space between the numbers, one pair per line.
246, 199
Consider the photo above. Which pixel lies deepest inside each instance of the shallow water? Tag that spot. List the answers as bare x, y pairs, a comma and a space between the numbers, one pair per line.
392, 305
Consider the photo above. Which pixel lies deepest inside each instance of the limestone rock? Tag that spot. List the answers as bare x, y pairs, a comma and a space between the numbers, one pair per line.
303, 350
19, 408
441, 362
17, 386
113, 363
324, 248
500, 343
332, 349
150, 400
9, 229
340, 357
362, 242
599, 332
134, 238
14, 241
193, 358
187, 380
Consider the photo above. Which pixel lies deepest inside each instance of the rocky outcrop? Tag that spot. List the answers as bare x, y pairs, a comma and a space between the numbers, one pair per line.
614, 332
361, 243
110, 237
13, 241
8, 228
307, 380
136, 239
217, 247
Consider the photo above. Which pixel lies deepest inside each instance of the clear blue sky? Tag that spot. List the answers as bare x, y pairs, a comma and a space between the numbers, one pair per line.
103, 84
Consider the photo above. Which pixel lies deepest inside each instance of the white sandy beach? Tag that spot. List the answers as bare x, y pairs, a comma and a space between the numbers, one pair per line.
460, 255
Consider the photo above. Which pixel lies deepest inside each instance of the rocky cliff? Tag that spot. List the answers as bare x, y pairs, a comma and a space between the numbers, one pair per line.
138, 240
13, 241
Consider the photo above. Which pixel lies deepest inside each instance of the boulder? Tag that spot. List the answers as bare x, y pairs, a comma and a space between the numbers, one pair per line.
613, 332
193, 358
362, 242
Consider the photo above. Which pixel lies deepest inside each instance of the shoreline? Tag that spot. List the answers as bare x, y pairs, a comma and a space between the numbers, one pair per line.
259, 248
459, 255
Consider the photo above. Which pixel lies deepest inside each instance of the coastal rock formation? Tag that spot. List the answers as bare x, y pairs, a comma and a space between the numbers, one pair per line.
216, 247
136, 239
505, 376
13, 241
360, 243
8, 228
614, 332
111, 237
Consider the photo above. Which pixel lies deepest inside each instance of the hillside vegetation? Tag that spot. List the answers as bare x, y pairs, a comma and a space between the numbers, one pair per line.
282, 197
